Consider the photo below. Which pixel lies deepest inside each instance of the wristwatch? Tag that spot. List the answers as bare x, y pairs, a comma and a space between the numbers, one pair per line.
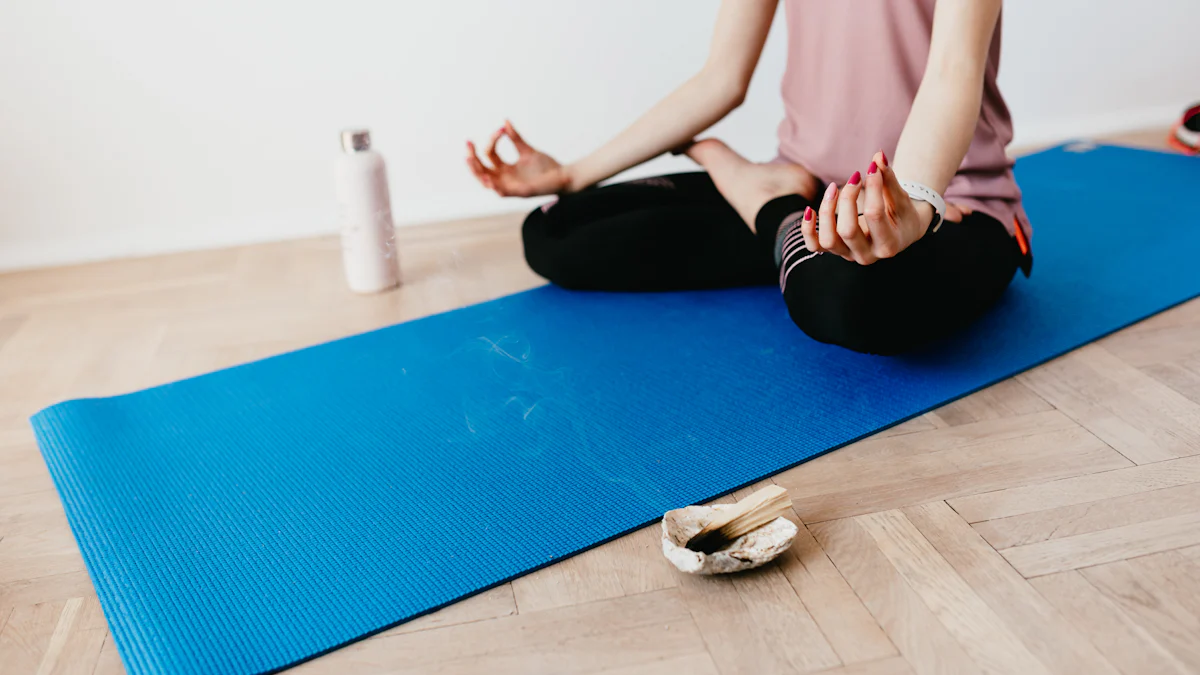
924, 193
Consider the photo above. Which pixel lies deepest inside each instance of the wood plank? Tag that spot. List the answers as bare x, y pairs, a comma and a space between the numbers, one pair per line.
831, 487
109, 662
1176, 629
1105, 546
938, 438
1148, 346
490, 604
9, 325
920, 637
1124, 643
31, 514
921, 423
841, 615
78, 637
1003, 400
24, 471
586, 577
980, 631
640, 649
1077, 490
781, 621
700, 664
895, 665
641, 566
1049, 636
1176, 574
1192, 552
632, 564
27, 634
1183, 377
736, 629
592, 636
1065, 521
1138, 416
44, 589
39, 554
14, 431
92, 355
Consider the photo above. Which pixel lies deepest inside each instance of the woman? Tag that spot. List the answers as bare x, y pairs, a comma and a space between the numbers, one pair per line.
864, 261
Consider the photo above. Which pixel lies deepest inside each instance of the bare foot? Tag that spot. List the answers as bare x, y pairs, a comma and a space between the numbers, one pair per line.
747, 185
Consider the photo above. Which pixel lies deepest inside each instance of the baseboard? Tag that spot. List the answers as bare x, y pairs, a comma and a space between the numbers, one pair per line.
1054, 131
408, 210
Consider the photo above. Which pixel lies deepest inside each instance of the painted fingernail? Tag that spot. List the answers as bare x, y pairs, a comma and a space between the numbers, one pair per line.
808, 213
830, 190
883, 156
872, 169
854, 179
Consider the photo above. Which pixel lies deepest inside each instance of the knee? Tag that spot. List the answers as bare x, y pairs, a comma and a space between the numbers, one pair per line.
853, 318
545, 253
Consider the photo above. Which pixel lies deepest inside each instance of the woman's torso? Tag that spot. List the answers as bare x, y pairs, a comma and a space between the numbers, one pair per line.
852, 73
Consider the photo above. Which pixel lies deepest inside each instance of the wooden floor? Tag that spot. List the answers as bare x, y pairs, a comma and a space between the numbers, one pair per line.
1049, 524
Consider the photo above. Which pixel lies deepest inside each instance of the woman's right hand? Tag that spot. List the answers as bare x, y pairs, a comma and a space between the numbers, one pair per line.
534, 173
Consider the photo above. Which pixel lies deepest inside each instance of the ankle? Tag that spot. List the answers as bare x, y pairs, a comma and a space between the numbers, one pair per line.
801, 182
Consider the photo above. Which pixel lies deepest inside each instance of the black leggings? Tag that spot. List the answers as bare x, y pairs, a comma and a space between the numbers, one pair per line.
678, 233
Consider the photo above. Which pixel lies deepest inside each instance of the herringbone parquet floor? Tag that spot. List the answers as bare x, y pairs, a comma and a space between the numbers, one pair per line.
1049, 524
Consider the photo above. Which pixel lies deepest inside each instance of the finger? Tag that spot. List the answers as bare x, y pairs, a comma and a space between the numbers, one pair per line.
956, 212
523, 148
492, 156
808, 229
827, 224
883, 232
895, 195
482, 173
847, 222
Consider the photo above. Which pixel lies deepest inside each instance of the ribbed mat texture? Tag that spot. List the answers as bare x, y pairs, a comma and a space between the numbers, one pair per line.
251, 518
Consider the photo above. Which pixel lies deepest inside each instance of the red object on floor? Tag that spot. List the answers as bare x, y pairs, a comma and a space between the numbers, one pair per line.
1185, 137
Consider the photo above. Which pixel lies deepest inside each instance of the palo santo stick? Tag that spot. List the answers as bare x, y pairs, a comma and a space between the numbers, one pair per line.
745, 516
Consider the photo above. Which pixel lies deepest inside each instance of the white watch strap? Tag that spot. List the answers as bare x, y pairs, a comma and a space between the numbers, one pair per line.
924, 193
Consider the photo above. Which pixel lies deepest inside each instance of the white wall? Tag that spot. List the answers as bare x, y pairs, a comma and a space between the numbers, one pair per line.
139, 126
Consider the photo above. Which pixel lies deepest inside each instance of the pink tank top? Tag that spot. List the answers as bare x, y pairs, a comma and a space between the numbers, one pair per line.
852, 72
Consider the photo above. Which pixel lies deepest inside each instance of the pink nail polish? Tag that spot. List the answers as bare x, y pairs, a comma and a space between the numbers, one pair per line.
872, 169
854, 179
883, 156
830, 190
808, 213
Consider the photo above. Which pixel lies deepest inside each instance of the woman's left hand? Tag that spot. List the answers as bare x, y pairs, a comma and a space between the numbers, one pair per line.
890, 222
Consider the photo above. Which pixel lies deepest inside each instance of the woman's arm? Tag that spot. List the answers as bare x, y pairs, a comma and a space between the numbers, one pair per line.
945, 111
940, 126
709, 95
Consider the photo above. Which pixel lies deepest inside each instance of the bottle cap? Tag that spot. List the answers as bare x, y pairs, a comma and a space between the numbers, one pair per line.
356, 140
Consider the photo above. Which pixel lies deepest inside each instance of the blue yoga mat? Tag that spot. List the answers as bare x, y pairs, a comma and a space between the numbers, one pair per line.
255, 517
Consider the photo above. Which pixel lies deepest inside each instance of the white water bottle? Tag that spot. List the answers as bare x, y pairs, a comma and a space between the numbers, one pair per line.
368, 236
